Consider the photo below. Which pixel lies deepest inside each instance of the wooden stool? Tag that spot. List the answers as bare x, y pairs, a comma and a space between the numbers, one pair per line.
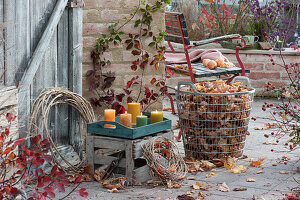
102, 150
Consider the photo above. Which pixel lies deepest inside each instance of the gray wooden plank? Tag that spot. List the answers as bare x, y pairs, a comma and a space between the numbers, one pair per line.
90, 151
129, 158
41, 48
106, 160
141, 175
9, 35
22, 55
109, 143
61, 117
75, 68
2, 44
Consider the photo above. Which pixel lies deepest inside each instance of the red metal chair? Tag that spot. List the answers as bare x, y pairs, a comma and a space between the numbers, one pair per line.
176, 30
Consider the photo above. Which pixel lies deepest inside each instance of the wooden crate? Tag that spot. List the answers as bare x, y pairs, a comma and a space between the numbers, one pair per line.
102, 150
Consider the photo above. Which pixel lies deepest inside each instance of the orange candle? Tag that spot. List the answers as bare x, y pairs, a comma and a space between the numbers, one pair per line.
135, 110
110, 115
125, 119
157, 116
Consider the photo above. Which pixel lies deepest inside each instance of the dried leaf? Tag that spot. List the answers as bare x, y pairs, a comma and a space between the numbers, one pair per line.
240, 189
189, 192
209, 175
239, 169
298, 169
229, 162
259, 172
283, 172
190, 178
199, 186
250, 180
114, 190
185, 197
257, 163
200, 196
224, 187
174, 185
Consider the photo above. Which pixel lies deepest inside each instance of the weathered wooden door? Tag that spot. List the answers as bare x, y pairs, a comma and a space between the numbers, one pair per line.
41, 47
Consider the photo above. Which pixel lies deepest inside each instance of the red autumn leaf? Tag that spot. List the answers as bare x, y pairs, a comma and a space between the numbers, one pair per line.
7, 132
54, 169
153, 62
13, 191
201, 18
133, 67
11, 156
153, 81
36, 139
204, 11
48, 158
156, 66
129, 99
233, 16
7, 151
222, 7
171, 72
162, 83
61, 187
77, 180
49, 189
40, 184
47, 179
52, 194
83, 193
158, 84
45, 194
19, 141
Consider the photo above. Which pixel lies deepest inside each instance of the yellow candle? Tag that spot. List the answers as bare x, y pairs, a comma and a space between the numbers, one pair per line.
110, 115
157, 116
125, 119
134, 109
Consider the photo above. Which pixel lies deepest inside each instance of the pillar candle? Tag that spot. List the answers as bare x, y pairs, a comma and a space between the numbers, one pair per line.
134, 109
110, 115
125, 119
156, 116
141, 120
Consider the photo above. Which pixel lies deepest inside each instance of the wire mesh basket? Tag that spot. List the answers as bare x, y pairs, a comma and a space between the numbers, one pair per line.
213, 125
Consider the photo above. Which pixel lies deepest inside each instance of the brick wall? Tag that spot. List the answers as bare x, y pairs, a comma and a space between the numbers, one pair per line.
97, 16
258, 61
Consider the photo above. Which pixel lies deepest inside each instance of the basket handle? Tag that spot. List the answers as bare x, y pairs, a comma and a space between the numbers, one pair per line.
243, 78
186, 83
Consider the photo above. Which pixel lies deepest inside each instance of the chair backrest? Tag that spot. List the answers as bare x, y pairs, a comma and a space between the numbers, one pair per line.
176, 30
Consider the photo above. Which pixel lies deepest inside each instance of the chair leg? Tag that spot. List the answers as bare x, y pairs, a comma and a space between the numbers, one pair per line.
178, 138
172, 102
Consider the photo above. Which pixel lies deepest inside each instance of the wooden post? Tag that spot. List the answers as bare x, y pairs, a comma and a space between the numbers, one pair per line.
35, 60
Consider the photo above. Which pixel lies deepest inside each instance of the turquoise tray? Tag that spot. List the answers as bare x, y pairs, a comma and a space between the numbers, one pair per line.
129, 133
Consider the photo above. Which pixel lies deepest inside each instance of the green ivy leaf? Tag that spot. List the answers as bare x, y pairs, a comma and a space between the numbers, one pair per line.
137, 23
148, 8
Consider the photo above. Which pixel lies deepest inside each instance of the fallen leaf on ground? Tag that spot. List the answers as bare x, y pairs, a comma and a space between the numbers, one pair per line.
209, 175
189, 192
167, 109
230, 162
283, 172
86, 175
224, 187
158, 198
218, 162
250, 180
259, 172
190, 178
175, 185
244, 157
200, 196
240, 189
239, 169
199, 186
114, 190
185, 197
195, 166
213, 170
257, 163
298, 169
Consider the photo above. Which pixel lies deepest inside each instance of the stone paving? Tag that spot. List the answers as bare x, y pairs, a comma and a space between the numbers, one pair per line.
269, 185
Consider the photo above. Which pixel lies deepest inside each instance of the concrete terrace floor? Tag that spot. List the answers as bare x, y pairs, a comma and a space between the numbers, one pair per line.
269, 185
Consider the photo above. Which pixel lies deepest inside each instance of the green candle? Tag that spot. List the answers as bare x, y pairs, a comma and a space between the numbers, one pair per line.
141, 120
